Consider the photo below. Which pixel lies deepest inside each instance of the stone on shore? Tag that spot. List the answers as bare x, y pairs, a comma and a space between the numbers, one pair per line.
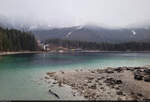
50, 74
119, 69
138, 76
147, 79
119, 93
147, 71
92, 86
112, 81
90, 77
46, 77
109, 70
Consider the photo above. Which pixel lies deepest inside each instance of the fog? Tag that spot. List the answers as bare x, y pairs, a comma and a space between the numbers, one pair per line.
63, 13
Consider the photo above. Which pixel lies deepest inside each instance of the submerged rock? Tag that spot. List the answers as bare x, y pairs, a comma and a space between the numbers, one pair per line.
51, 92
54, 82
46, 77
60, 83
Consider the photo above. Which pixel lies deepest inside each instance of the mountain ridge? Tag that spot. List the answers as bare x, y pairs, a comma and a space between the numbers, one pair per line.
95, 34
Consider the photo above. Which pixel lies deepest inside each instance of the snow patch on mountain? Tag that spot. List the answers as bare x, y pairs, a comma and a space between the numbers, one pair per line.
68, 34
77, 28
133, 32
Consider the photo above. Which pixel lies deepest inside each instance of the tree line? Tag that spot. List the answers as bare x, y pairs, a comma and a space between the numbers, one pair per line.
15, 40
128, 46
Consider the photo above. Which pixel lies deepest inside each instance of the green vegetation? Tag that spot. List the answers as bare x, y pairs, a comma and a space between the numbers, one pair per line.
129, 46
15, 40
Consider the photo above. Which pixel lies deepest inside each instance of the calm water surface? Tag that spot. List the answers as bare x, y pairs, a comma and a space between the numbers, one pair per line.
20, 73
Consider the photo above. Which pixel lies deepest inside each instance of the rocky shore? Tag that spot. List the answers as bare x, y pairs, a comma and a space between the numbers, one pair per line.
122, 83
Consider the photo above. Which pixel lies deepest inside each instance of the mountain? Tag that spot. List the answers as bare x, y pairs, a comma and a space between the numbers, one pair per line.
89, 32
94, 33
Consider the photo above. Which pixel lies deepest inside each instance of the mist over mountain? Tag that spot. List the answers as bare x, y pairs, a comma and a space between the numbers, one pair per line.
95, 34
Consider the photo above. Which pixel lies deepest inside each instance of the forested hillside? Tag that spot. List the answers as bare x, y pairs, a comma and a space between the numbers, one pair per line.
129, 46
15, 40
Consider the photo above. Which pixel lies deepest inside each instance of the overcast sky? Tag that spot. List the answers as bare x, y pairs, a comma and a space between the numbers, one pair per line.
116, 13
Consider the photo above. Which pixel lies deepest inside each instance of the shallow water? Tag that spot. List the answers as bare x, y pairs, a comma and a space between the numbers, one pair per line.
20, 74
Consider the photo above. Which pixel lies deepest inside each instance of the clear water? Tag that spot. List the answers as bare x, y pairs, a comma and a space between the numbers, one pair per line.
18, 73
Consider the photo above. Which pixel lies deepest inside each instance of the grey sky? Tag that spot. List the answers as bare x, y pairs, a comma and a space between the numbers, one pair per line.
117, 13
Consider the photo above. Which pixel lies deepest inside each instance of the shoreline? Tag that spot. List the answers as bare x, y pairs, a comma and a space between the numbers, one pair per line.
121, 83
20, 52
85, 51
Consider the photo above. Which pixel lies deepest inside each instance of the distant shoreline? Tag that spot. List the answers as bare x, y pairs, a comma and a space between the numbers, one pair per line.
19, 52
88, 51
119, 51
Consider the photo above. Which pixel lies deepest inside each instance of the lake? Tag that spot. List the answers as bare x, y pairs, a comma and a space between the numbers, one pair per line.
21, 74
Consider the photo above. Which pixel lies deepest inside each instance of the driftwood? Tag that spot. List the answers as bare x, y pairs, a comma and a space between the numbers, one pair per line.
53, 93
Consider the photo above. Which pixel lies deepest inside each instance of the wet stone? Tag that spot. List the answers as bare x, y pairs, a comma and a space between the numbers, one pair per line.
46, 77
54, 82
50, 73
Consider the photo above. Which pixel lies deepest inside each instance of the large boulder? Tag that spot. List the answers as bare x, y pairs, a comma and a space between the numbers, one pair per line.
118, 82
147, 71
138, 76
147, 79
109, 70
112, 81
119, 69
137, 67
130, 68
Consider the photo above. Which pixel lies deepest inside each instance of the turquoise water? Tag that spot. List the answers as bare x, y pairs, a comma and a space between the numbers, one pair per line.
20, 73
